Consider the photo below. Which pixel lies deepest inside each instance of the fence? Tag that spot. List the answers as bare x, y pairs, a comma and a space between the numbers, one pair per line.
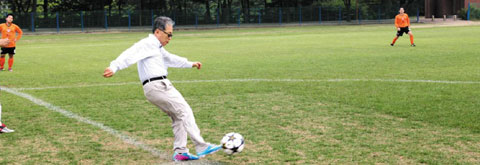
85, 20
473, 11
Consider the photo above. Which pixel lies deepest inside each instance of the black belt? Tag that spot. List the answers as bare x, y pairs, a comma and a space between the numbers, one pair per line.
154, 79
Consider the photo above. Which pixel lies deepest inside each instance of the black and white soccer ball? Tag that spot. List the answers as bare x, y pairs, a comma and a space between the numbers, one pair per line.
232, 143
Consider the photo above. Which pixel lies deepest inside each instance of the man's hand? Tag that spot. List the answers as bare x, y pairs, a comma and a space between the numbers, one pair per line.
398, 29
108, 73
197, 65
4, 42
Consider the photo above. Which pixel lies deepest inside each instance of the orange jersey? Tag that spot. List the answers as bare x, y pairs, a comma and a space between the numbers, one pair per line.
10, 33
402, 20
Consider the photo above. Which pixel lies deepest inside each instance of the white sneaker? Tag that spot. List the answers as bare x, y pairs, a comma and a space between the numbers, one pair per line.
6, 130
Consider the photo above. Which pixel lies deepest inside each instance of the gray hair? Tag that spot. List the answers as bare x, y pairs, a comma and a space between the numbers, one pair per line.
161, 23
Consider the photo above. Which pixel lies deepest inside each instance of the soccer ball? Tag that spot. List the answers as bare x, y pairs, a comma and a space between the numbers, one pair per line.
232, 143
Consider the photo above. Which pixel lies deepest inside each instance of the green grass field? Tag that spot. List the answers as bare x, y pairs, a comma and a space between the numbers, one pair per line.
360, 101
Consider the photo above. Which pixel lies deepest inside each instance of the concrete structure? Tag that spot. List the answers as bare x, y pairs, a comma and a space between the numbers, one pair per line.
445, 7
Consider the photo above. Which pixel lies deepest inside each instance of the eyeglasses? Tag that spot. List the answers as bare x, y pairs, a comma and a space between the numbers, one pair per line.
170, 35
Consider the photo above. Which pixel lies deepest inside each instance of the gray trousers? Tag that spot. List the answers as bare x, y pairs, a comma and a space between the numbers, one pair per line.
162, 94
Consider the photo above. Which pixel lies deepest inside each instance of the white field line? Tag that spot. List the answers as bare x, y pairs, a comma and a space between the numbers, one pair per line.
262, 80
63, 46
329, 80
77, 86
125, 138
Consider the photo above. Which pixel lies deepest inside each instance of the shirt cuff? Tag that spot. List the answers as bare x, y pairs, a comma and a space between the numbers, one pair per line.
113, 68
189, 64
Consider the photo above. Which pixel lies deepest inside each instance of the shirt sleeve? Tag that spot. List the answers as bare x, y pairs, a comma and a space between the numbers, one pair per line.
19, 31
408, 21
397, 21
131, 56
175, 61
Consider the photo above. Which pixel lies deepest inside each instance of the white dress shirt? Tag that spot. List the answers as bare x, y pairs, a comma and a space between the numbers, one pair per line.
151, 58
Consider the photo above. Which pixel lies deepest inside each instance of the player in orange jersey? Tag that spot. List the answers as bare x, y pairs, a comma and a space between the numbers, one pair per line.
9, 31
402, 22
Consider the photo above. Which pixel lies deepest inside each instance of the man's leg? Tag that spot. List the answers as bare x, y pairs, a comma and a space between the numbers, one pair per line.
0, 114
411, 38
2, 61
1, 124
155, 92
166, 97
186, 120
10, 61
181, 135
394, 40
3, 128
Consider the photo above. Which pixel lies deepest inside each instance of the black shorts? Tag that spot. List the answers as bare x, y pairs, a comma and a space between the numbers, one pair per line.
403, 30
8, 50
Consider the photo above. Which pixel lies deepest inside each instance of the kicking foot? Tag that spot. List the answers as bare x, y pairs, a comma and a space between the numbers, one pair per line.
209, 150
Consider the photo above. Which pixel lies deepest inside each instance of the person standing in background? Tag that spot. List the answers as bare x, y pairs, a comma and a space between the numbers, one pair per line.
402, 23
9, 31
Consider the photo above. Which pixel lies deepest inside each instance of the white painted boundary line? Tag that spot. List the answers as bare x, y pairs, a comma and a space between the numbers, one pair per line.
125, 138
262, 80
329, 80
77, 86
63, 46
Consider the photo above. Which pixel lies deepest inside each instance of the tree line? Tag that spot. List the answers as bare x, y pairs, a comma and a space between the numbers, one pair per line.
207, 8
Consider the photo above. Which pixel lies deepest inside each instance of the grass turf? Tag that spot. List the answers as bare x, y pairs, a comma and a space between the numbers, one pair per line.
282, 122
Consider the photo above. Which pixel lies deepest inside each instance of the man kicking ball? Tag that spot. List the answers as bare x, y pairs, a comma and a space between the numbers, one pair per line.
152, 62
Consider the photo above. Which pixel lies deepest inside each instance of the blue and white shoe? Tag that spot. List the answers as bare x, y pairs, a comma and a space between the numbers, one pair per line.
209, 150
183, 157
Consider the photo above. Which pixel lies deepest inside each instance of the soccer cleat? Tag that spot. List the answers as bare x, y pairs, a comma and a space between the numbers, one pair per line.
183, 157
6, 130
413, 45
2, 69
210, 150
391, 44
10, 69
